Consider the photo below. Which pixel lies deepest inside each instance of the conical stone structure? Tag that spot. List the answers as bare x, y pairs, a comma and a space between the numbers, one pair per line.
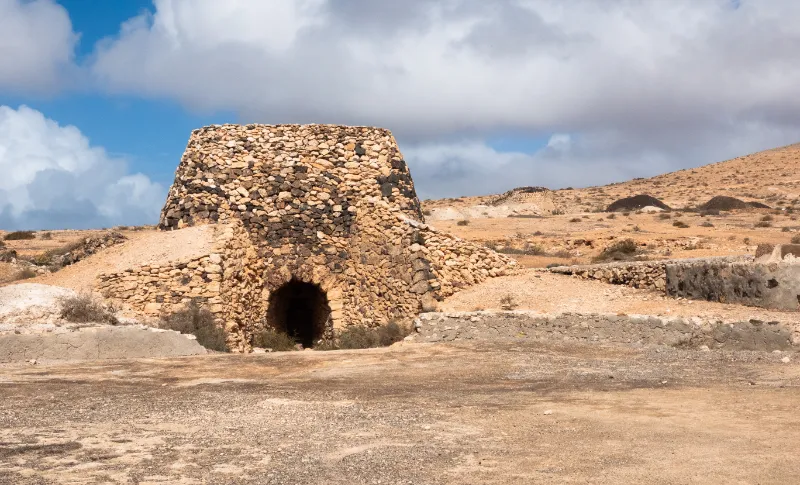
320, 228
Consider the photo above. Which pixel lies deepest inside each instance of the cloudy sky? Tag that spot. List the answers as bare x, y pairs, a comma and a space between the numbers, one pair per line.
97, 99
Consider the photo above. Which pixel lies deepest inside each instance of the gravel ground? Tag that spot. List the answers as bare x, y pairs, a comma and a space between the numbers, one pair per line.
551, 293
478, 412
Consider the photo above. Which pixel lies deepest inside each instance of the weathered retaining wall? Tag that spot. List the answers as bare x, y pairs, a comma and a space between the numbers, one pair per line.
649, 275
644, 275
773, 285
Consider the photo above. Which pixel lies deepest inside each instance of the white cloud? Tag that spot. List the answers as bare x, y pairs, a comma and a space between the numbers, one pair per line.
469, 167
36, 45
53, 178
652, 76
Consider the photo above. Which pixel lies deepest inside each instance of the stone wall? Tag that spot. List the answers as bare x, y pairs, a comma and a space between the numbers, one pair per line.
158, 289
323, 209
647, 275
773, 285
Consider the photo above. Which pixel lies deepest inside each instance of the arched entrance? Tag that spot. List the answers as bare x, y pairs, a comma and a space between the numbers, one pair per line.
300, 310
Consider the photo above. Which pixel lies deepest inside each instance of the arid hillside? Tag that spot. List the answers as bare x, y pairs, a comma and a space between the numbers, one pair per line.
771, 177
578, 229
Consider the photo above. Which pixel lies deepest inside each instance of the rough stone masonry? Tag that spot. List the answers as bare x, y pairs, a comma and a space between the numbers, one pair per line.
321, 228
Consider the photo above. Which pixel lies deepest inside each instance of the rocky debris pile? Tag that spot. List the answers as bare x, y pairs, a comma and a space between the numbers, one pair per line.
726, 203
78, 251
694, 333
636, 202
523, 195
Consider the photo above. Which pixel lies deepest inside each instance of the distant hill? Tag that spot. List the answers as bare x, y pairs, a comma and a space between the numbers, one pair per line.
771, 177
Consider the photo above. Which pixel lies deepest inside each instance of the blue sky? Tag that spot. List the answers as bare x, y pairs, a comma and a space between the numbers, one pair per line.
482, 96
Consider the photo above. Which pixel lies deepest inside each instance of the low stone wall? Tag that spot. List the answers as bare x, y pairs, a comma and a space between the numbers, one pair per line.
649, 275
691, 333
773, 285
165, 288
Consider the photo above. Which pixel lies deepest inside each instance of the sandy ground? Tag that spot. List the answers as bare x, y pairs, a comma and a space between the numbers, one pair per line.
730, 234
142, 248
411, 414
31, 303
550, 293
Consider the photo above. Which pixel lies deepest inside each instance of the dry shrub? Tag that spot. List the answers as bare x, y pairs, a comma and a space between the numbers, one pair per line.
680, 224
20, 235
763, 224
707, 224
462, 222
270, 338
767, 218
664, 216
197, 320
575, 219
619, 251
24, 274
796, 239
46, 236
362, 337
508, 303
85, 308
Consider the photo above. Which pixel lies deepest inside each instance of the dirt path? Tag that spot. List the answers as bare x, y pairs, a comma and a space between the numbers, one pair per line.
422, 414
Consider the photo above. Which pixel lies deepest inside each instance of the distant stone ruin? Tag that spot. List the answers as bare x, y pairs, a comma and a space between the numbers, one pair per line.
541, 197
320, 228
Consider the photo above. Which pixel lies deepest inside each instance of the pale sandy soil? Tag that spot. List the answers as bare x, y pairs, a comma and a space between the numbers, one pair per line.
550, 293
142, 248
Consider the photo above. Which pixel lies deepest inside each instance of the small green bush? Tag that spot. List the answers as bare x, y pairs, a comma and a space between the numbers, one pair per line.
20, 235
272, 339
197, 320
85, 308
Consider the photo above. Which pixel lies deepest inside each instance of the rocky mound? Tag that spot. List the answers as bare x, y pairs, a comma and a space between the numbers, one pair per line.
635, 203
726, 203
